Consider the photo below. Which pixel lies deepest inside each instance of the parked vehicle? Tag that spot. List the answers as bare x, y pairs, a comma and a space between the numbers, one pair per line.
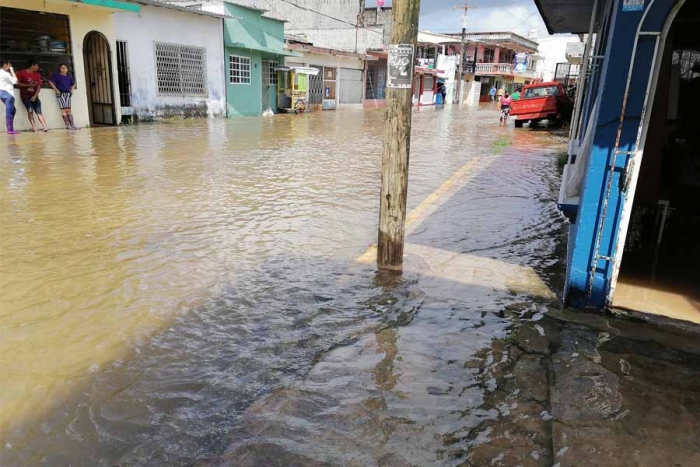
293, 87
542, 101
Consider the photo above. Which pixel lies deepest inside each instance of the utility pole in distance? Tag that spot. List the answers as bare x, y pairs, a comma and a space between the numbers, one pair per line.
463, 22
397, 134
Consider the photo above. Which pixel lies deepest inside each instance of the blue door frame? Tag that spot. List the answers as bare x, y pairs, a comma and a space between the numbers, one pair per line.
585, 287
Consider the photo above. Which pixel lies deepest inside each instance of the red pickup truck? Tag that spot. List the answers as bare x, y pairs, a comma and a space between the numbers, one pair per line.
542, 101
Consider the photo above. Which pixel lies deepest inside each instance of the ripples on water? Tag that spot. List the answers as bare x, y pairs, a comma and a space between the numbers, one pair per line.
160, 281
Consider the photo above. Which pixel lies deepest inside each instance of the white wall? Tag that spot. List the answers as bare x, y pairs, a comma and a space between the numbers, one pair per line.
448, 64
310, 58
82, 19
553, 49
153, 24
344, 38
321, 30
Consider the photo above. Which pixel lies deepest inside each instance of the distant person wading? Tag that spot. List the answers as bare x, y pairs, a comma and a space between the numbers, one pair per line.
506, 102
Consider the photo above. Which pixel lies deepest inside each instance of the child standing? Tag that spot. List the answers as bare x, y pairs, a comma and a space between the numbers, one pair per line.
64, 84
29, 84
7, 94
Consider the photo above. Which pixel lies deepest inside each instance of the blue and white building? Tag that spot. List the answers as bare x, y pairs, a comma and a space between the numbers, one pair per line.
631, 188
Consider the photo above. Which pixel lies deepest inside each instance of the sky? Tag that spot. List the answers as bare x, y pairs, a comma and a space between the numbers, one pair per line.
518, 16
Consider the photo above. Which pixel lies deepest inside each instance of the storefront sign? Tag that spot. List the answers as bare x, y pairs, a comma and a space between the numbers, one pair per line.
400, 66
520, 62
632, 5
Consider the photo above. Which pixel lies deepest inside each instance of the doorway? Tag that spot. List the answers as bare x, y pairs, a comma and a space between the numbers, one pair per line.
316, 89
660, 270
98, 72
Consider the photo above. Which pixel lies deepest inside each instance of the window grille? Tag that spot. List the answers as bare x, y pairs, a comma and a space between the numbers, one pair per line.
269, 74
181, 69
239, 69
123, 74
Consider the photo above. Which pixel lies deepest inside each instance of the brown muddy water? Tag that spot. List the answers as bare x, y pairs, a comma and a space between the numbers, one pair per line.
188, 293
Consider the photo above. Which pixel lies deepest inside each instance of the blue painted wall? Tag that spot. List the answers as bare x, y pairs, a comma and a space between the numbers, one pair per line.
618, 36
249, 34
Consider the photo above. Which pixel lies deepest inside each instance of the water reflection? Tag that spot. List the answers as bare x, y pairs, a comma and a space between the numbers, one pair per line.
158, 280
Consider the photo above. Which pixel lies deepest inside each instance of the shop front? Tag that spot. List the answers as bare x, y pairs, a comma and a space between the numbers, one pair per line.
425, 85
375, 80
631, 186
77, 34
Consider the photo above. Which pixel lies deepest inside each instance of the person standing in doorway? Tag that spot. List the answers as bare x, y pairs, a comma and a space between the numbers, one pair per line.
29, 84
7, 94
64, 85
492, 93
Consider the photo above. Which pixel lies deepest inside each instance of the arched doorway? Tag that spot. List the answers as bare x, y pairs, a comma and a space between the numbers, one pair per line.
98, 73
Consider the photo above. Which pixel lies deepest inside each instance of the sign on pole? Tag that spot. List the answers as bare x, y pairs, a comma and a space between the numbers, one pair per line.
400, 66
463, 21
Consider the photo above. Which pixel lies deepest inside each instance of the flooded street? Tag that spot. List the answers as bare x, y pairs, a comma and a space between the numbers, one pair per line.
199, 293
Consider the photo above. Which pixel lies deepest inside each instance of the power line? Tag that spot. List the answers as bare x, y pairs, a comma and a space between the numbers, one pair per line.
331, 17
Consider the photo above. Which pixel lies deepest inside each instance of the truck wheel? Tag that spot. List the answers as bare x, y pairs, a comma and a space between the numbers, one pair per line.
519, 123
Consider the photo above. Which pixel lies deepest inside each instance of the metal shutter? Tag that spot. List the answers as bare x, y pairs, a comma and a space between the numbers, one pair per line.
350, 83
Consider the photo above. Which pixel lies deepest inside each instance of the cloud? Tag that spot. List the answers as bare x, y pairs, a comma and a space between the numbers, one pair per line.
518, 16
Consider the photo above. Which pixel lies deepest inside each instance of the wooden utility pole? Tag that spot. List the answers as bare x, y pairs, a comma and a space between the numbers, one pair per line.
397, 134
463, 21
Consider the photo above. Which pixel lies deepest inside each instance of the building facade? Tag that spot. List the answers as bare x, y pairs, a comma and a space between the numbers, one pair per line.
502, 59
340, 82
170, 62
80, 34
631, 186
339, 24
254, 48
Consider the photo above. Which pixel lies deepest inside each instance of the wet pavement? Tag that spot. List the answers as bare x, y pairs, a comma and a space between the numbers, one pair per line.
196, 294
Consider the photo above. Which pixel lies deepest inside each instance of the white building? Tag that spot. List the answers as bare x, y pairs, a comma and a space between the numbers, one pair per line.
552, 50
170, 62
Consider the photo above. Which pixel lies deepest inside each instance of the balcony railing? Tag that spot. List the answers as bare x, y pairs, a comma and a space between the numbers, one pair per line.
494, 68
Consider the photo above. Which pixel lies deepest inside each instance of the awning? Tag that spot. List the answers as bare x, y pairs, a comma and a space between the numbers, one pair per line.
566, 16
245, 35
260, 48
302, 70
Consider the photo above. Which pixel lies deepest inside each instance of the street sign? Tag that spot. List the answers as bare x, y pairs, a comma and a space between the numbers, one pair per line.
633, 5
463, 21
400, 66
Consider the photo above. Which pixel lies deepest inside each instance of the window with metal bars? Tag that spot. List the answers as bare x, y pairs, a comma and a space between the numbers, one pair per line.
239, 69
181, 70
269, 76
123, 74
